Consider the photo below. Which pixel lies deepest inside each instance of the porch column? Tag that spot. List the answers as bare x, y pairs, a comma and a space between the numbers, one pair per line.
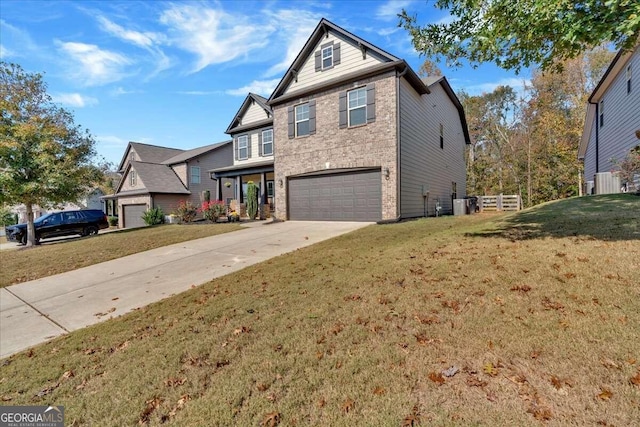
239, 189
219, 188
263, 188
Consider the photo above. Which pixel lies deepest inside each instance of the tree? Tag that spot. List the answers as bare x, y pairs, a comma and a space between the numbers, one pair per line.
429, 68
523, 33
45, 158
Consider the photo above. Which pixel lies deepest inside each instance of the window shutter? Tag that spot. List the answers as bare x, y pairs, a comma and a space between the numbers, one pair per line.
342, 109
318, 57
312, 117
336, 54
248, 146
236, 149
260, 143
371, 103
291, 122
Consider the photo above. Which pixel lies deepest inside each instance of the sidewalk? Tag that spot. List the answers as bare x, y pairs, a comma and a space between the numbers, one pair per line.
33, 312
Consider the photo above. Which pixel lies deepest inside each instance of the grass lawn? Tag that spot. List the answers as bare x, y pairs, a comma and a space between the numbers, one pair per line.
498, 320
33, 263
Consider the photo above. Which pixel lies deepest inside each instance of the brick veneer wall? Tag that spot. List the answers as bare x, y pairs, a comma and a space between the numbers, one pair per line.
370, 145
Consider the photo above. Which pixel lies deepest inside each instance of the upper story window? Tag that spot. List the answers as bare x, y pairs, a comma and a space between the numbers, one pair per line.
267, 142
302, 119
601, 113
441, 136
133, 180
195, 174
357, 100
629, 79
327, 57
243, 147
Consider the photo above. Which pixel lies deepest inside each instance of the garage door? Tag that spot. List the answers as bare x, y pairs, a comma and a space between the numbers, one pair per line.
352, 196
133, 215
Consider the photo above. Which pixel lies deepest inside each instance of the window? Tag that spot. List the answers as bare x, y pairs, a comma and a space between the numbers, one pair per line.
302, 120
629, 79
270, 187
243, 147
441, 136
601, 113
357, 100
195, 174
132, 178
267, 142
327, 57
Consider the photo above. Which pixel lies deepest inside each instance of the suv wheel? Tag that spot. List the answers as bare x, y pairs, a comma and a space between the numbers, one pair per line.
90, 230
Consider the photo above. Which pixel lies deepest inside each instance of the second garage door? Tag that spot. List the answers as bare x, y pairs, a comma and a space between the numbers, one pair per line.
133, 215
349, 196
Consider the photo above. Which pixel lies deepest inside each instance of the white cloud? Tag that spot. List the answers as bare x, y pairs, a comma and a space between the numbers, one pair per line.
389, 11
293, 30
122, 91
261, 87
14, 36
146, 40
107, 141
74, 100
488, 87
200, 92
96, 66
5, 53
214, 36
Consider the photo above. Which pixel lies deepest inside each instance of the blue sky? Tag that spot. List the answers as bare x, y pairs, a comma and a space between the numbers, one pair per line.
175, 73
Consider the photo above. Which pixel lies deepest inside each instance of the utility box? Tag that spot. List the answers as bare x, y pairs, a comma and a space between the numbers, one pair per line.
606, 183
459, 207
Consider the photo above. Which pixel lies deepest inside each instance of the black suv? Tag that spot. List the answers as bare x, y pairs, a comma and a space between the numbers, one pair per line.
67, 223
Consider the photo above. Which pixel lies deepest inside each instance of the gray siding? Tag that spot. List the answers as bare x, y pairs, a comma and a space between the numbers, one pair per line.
621, 120
167, 202
423, 164
590, 155
217, 158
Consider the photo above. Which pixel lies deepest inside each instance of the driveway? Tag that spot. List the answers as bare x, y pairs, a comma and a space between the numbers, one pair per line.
36, 311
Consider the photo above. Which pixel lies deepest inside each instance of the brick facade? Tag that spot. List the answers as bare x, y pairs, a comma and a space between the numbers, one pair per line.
371, 145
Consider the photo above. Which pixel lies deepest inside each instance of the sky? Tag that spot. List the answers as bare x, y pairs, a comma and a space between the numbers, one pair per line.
175, 73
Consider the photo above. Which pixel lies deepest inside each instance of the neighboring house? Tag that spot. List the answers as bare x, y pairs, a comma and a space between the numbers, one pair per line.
360, 137
612, 125
91, 200
253, 145
154, 176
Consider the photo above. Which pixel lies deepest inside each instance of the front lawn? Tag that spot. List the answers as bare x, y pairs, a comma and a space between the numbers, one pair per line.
33, 263
499, 320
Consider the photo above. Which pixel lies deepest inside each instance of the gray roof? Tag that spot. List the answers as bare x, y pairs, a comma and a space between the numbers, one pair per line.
149, 153
159, 178
190, 154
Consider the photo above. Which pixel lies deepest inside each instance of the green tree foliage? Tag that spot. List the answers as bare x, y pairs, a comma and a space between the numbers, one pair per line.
527, 143
515, 34
45, 158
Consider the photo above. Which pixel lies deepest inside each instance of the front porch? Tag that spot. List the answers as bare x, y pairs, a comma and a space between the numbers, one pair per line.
237, 177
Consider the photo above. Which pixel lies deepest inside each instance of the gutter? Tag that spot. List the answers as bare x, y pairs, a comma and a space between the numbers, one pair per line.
399, 152
597, 119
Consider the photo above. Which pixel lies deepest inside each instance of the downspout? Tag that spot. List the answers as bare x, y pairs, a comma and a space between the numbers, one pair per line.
398, 136
597, 135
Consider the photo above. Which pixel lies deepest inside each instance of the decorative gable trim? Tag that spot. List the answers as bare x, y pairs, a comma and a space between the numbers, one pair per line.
251, 99
322, 30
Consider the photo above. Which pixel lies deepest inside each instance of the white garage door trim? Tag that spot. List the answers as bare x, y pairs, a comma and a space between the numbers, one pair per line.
338, 196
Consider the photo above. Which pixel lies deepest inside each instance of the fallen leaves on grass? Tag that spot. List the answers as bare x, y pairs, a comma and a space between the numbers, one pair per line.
489, 369
379, 391
473, 381
635, 380
551, 305
152, 405
413, 419
521, 288
436, 377
271, 419
608, 363
348, 405
263, 387
450, 372
174, 382
605, 393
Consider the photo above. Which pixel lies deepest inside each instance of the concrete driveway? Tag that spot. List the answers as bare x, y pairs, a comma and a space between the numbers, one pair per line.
36, 311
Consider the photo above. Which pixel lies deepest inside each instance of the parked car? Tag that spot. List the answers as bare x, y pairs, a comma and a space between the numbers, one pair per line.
84, 222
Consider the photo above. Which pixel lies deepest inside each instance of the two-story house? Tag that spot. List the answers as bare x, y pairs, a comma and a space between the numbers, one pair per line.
154, 176
612, 125
253, 146
359, 136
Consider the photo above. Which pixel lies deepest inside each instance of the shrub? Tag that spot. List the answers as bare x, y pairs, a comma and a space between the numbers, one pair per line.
7, 217
213, 210
153, 216
186, 211
113, 221
252, 200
